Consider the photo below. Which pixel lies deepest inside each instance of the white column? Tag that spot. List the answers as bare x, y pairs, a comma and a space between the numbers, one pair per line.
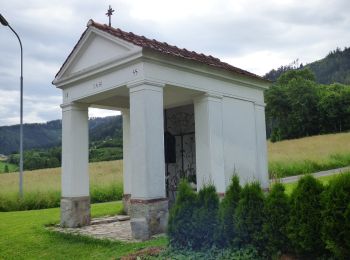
126, 152
147, 141
75, 201
209, 141
261, 146
75, 150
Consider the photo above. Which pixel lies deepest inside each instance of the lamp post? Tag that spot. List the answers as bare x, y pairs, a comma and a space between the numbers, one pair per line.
5, 23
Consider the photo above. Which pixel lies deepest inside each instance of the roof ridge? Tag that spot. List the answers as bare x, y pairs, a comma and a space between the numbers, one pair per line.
110, 28
165, 48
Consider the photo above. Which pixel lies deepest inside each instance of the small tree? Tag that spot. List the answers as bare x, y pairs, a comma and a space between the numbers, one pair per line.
304, 227
205, 217
181, 228
336, 227
249, 217
6, 168
228, 205
277, 216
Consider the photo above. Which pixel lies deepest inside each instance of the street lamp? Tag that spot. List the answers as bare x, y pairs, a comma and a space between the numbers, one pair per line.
5, 23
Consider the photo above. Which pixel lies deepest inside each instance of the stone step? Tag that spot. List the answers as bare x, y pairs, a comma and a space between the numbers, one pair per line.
107, 220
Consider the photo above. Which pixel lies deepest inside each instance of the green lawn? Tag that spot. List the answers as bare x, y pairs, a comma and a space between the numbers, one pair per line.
23, 236
11, 167
308, 154
290, 186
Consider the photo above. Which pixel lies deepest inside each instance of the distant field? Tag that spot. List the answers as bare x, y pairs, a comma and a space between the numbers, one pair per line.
42, 187
309, 154
11, 167
292, 157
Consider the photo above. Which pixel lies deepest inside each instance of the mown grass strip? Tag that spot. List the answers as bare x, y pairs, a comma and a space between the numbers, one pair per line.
282, 169
51, 199
23, 236
325, 180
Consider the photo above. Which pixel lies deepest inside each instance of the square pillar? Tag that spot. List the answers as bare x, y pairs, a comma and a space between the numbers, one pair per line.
75, 200
209, 141
127, 174
261, 146
148, 204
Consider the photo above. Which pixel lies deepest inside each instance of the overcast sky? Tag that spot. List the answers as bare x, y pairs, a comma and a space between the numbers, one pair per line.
251, 34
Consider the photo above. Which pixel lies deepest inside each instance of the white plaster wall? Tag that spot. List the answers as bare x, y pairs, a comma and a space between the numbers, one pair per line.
262, 164
102, 83
209, 142
200, 81
127, 173
147, 142
75, 151
240, 146
96, 50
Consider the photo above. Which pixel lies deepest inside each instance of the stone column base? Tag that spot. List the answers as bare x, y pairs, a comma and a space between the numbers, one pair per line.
148, 217
126, 203
75, 211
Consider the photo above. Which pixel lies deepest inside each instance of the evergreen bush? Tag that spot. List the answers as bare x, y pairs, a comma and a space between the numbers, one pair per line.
180, 223
347, 225
205, 218
304, 227
277, 216
246, 253
226, 232
336, 228
249, 217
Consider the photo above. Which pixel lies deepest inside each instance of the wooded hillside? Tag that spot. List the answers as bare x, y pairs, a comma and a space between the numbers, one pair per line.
48, 134
334, 68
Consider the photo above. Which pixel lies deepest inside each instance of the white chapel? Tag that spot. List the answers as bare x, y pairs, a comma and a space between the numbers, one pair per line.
185, 115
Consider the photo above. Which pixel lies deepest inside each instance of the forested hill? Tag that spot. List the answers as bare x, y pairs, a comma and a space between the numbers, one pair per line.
335, 67
48, 134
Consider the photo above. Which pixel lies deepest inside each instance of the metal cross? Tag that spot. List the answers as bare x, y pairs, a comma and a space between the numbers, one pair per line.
109, 14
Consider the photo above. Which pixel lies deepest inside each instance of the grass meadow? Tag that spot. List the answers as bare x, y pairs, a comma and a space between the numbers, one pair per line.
11, 167
286, 158
23, 236
308, 155
42, 188
289, 187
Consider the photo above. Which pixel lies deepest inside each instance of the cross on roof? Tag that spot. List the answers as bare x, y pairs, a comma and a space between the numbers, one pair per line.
109, 14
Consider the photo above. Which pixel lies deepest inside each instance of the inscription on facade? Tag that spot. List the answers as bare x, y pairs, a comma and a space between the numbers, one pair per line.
97, 85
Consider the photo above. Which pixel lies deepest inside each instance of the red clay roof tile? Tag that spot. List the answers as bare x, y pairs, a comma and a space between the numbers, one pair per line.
165, 48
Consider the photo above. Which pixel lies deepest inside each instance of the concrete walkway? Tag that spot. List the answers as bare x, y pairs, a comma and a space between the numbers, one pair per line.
316, 174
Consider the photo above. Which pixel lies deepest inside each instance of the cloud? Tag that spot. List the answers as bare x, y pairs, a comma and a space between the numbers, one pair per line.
251, 34
36, 108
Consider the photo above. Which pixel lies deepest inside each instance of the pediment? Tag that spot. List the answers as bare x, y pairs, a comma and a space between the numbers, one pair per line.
95, 49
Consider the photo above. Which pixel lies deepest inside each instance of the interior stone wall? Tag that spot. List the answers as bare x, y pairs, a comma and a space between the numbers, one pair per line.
179, 122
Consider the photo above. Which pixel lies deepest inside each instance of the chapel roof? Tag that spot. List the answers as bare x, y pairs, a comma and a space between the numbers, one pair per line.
164, 48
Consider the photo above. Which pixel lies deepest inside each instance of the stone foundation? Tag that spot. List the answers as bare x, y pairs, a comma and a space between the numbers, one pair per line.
148, 217
126, 203
75, 211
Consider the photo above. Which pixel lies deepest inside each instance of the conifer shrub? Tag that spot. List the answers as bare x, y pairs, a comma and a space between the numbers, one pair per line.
181, 227
249, 217
347, 225
205, 218
277, 216
304, 227
336, 219
226, 231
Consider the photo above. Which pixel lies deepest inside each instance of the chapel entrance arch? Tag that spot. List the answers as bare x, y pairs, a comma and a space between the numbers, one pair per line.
179, 135
180, 148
